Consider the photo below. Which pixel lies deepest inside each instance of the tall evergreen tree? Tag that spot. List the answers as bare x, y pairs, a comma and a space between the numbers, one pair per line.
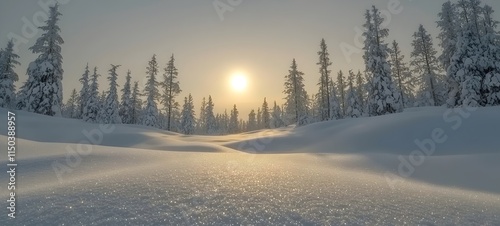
361, 91
111, 107
202, 122
70, 109
402, 75
277, 120
383, 97
252, 121
465, 67
336, 112
266, 115
43, 90
150, 114
491, 56
136, 105
126, 107
324, 88
92, 106
448, 24
354, 108
84, 92
259, 118
171, 89
296, 96
188, 120
210, 117
233, 121
8, 62
341, 87
425, 64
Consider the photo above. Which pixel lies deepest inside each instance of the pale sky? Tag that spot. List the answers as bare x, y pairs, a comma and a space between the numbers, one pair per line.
259, 38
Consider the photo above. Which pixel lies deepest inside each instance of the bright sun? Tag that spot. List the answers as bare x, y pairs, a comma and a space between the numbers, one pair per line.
239, 82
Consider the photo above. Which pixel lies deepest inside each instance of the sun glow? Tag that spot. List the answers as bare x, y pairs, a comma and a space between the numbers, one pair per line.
239, 82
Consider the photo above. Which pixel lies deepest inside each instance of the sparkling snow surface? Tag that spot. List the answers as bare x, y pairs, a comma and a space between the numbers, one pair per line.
146, 184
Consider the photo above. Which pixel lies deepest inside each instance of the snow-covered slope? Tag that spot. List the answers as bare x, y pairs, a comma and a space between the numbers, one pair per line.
322, 174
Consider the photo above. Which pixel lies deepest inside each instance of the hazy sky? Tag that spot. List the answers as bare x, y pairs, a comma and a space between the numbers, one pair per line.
259, 38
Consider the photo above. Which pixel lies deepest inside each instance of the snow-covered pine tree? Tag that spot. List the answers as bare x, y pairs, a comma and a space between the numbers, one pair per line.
126, 107
202, 121
361, 91
8, 62
84, 92
383, 97
266, 115
43, 90
70, 109
335, 111
233, 121
210, 117
171, 89
111, 107
324, 88
252, 121
150, 113
491, 56
425, 64
341, 87
92, 106
259, 118
296, 96
277, 120
402, 75
465, 64
136, 104
448, 24
225, 122
352, 102
188, 120
102, 102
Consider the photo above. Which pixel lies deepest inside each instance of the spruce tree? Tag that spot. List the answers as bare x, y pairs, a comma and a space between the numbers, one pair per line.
126, 107
8, 62
252, 121
341, 87
70, 109
233, 121
188, 120
277, 120
266, 115
84, 92
171, 89
425, 64
43, 90
92, 106
202, 122
150, 114
136, 105
491, 56
296, 96
353, 104
111, 107
402, 75
324, 88
383, 97
210, 117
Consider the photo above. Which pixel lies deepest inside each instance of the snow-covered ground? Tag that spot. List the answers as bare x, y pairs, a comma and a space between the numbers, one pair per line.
367, 171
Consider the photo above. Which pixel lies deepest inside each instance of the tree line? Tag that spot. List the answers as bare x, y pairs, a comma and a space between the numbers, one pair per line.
466, 73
